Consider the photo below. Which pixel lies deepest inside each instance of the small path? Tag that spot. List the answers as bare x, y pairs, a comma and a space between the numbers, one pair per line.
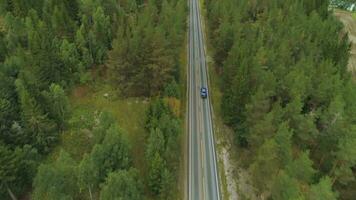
350, 26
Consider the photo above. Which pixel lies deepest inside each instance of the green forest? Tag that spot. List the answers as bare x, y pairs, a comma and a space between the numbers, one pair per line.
50, 47
287, 95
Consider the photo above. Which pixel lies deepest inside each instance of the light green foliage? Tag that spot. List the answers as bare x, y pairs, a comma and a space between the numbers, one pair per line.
156, 168
81, 44
345, 157
323, 190
70, 57
112, 154
88, 175
265, 166
58, 105
155, 143
124, 184
101, 33
57, 180
93, 38
172, 90
283, 139
301, 168
285, 187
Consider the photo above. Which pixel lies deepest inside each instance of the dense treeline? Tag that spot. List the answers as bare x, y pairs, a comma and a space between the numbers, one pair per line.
163, 150
49, 46
151, 42
287, 95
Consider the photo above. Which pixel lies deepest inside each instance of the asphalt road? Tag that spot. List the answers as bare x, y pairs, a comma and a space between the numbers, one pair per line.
203, 174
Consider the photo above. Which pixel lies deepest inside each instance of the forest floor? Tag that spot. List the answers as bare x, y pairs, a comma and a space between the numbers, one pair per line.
349, 21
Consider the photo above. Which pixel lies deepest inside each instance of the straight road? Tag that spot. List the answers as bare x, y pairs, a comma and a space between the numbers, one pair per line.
203, 174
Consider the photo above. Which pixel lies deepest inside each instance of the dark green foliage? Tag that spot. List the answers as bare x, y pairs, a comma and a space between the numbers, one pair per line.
49, 46
162, 151
93, 38
17, 168
287, 94
9, 109
146, 50
40, 130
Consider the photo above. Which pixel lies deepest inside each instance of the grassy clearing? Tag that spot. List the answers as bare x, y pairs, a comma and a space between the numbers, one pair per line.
354, 15
130, 115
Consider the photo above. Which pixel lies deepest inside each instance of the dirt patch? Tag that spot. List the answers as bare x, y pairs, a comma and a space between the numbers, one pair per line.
80, 91
238, 180
229, 170
350, 26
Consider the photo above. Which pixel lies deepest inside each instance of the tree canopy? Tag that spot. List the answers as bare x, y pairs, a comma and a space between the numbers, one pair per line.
287, 94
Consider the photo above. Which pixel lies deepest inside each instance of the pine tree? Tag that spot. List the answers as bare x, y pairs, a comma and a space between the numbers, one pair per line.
112, 154
302, 168
88, 177
323, 190
283, 139
17, 168
100, 35
122, 185
9, 170
57, 180
40, 130
155, 173
155, 144
57, 105
285, 187
265, 166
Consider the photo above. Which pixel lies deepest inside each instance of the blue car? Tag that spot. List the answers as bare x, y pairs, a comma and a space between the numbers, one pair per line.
203, 92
